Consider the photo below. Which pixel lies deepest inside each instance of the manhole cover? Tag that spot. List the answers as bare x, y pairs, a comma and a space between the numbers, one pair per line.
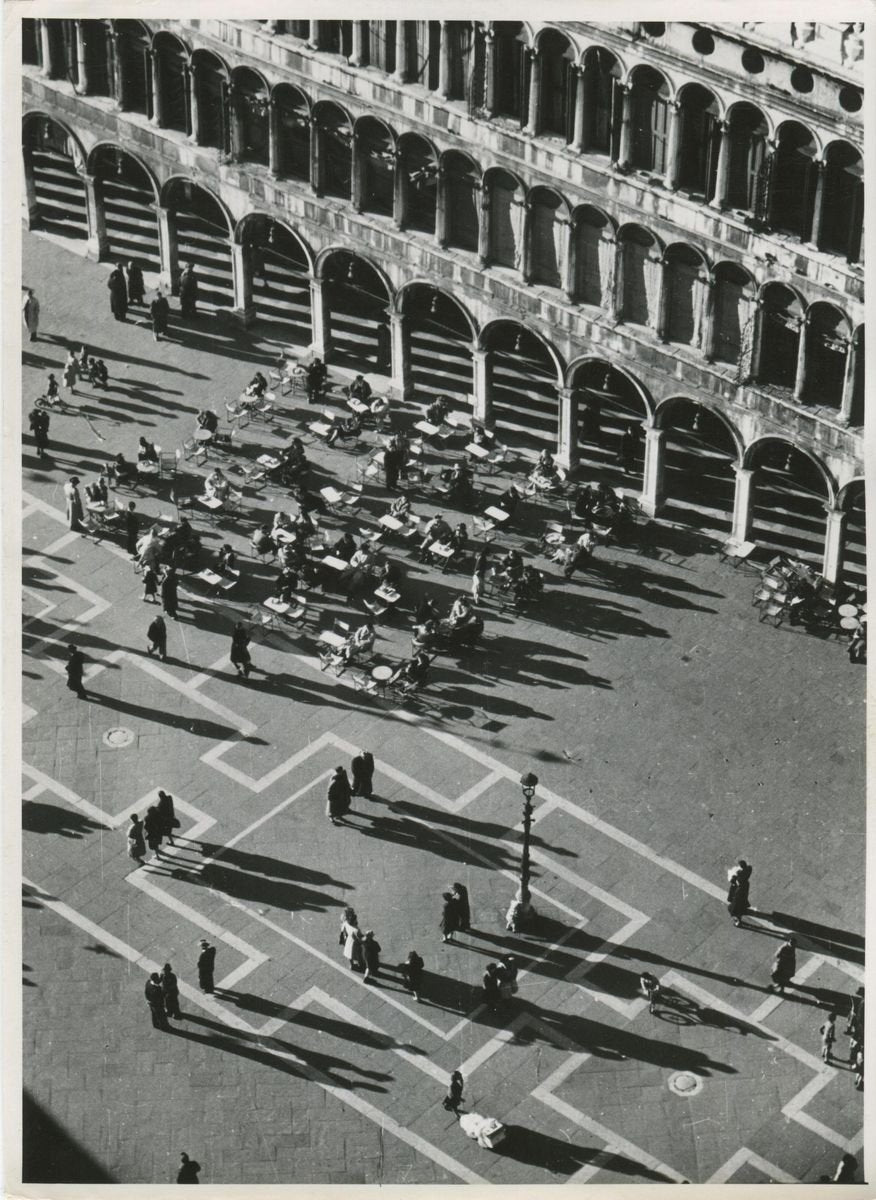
685, 1083
117, 739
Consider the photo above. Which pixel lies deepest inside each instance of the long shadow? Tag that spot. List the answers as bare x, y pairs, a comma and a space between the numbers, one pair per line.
534, 1148
241, 885
198, 726
52, 1155
258, 864
39, 817
154, 364
811, 935
469, 827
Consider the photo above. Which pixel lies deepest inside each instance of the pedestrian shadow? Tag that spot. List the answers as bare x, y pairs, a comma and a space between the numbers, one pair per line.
198, 726
39, 817
822, 939
560, 1157
258, 864
470, 827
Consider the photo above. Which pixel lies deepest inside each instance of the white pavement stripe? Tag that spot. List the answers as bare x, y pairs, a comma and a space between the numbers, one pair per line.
278, 808
741, 1158
214, 758
33, 792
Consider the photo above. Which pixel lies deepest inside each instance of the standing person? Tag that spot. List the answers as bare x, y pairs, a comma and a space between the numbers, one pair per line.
136, 844
150, 584
449, 916
784, 966
371, 956
70, 373
828, 1036
155, 1000
169, 598
338, 796
453, 1099
38, 420
167, 815
363, 774
118, 291
392, 461
316, 377
188, 291
52, 392
650, 989
206, 965
73, 502
170, 991
30, 313
858, 1066
412, 973
240, 655
845, 1170
159, 311
348, 938
75, 668
132, 528
156, 637
136, 291
491, 986
460, 895
737, 895
188, 1170
479, 576
507, 975
152, 829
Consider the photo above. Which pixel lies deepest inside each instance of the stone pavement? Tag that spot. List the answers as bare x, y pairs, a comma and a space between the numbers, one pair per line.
672, 734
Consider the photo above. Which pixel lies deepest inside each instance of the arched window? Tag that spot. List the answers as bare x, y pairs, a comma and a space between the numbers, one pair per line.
376, 155
700, 141
592, 254
336, 37
170, 60
211, 85
684, 299
827, 348
639, 273
336, 146
507, 212
547, 231
381, 45
424, 52
133, 44
557, 108
251, 112
461, 201
420, 171
734, 311
460, 51
509, 68
293, 132
781, 316
650, 111
792, 181
95, 35
747, 164
602, 113
842, 202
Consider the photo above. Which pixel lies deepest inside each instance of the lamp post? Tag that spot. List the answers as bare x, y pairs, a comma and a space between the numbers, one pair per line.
521, 909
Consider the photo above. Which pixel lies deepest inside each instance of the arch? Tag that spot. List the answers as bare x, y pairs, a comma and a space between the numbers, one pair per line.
523, 376
735, 289
749, 131
375, 161
752, 451
247, 224
588, 362
166, 37
126, 192
170, 62
664, 407
793, 179
333, 127
105, 150
640, 256
686, 277
828, 336
650, 94
594, 238
133, 43
293, 110
557, 82
211, 82
509, 68
791, 492
410, 289
701, 451
842, 202
31, 131
54, 164
325, 256
859, 483
278, 264
439, 334
250, 108
95, 39
357, 301
177, 184
506, 198
548, 222
781, 321
611, 404
493, 328
462, 181
700, 112
418, 164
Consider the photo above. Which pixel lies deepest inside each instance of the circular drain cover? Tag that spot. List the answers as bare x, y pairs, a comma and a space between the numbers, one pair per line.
117, 739
685, 1083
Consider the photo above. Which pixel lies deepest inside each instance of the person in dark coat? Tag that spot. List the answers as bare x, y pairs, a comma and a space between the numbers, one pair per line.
38, 420
784, 966
170, 990
132, 529
118, 291
75, 668
155, 1000
412, 973
460, 894
240, 656
188, 291
453, 1099
316, 377
737, 895
491, 986
206, 965
136, 291
150, 584
169, 597
338, 796
152, 829
449, 916
371, 956
167, 814
363, 774
159, 311
392, 461
156, 637
188, 1170
136, 844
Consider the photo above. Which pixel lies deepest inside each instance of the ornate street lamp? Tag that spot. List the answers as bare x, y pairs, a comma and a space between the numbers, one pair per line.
520, 910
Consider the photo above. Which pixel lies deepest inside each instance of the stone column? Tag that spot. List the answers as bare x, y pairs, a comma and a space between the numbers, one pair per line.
81, 59
357, 172
800, 378
273, 137
706, 321
818, 204
834, 543
722, 174
45, 49
484, 226
315, 157
98, 245
625, 139
191, 76
441, 206
750, 371
116, 68
657, 294
580, 126
570, 273
399, 190
480, 369
233, 108
157, 117
168, 249
849, 377
742, 508
244, 309
320, 318
527, 257
567, 428
357, 58
444, 62
400, 74
534, 91
670, 175
490, 71
32, 209
652, 495
400, 354
313, 35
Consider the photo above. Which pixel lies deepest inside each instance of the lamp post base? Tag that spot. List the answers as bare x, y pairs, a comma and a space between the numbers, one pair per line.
520, 911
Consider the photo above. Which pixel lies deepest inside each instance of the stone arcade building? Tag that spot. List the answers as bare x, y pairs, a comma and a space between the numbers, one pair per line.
570, 226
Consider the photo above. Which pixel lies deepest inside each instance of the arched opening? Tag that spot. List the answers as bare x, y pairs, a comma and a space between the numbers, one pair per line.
202, 236
280, 276
335, 135
127, 195
604, 102
557, 99
842, 219
462, 184
684, 281
211, 87
781, 320
522, 383
792, 187
650, 120
251, 119
376, 157
419, 167
608, 403
827, 348
293, 132
854, 558
507, 198
134, 67
547, 230
699, 456
594, 251
170, 63
356, 300
788, 500
95, 38
734, 311
440, 340
57, 185
509, 70
700, 142
747, 164
640, 268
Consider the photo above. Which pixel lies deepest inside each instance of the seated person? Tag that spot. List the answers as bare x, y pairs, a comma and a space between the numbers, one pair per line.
426, 636
293, 555
585, 501
468, 634
379, 406
98, 376
263, 543
360, 641
360, 389
482, 436
120, 470
400, 508
207, 419
287, 584
387, 575
437, 530
532, 582
511, 565
607, 496
344, 427
96, 492
146, 452
281, 521
509, 502
459, 539
572, 558
308, 502
458, 480
226, 562
345, 546
257, 386
412, 673
427, 610
438, 410
587, 541
460, 612
216, 486
365, 557
182, 542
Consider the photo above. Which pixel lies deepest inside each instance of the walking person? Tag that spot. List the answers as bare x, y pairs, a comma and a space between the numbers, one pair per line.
460, 895
316, 377
73, 502
150, 584
159, 311
206, 965
371, 956
170, 991
167, 815
155, 1000
828, 1036
412, 973
188, 291
169, 597
38, 420
136, 291
491, 987
30, 314
453, 1099
240, 656
75, 668
70, 373
188, 1170
784, 966
650, 989
362, 768
349, 938
156, 637
479, 576
737, 895
132, 527
506, 972
449, 916
152, 829
136, 843
338, 796
118, 290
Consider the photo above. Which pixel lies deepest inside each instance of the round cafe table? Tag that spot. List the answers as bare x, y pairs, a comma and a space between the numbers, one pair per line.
848, 610
850, 623
381, 676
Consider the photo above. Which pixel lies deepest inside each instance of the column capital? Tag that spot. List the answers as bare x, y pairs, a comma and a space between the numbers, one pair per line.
742, 472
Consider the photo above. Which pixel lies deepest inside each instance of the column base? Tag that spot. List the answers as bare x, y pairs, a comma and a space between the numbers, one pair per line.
96, 250
244, 316
651, 505
567, 459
